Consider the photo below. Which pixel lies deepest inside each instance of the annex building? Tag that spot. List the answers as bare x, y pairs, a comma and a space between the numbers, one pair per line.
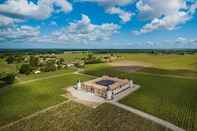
105, 86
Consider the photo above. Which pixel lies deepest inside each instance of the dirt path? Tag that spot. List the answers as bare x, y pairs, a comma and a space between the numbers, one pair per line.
148, 116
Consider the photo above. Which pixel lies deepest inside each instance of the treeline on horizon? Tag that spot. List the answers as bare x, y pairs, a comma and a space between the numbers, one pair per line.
59, 51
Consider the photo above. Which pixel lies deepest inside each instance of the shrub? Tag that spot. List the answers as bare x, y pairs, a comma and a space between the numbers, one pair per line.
10, 59
8, 78
49, 67
2, 84
26, 69
34, 61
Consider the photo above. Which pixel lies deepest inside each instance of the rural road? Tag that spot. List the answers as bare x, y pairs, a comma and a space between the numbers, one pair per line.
148, 116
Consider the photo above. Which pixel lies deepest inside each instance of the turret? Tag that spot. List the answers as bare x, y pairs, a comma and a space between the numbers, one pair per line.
130, 83
109, 94
78, 85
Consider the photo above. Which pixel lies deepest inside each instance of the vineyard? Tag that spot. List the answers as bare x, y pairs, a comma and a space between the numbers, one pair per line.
76, 117
172, 99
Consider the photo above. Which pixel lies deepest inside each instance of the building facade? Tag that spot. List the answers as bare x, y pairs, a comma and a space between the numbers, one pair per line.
106, 87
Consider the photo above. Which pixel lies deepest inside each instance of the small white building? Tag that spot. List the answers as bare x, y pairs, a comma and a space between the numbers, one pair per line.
37, 72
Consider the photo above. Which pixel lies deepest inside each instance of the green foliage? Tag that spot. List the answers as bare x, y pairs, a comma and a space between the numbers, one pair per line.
10, 59
80, 65
34, 61
2, 84
7, 78
61, 61
91, 59
14, 59
49, 66
25, 69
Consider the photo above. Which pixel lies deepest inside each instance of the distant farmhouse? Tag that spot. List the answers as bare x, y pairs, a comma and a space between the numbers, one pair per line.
106, 87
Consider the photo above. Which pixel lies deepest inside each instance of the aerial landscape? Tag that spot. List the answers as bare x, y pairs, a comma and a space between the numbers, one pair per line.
98, 65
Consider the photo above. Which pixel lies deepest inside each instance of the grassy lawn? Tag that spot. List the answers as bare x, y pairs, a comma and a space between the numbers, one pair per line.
75, 117
173, 61
21, 78
70, 57
24, 99
172, 99
4, 67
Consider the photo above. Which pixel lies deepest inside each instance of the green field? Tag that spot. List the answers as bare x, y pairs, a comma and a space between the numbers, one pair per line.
23, 99
161, 94
173, 99
21, 77
70, 57
8, 68
163, 61
75, 117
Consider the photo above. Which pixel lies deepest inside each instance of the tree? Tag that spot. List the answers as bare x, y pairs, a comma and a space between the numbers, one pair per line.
8, 78
61, 60
34, 61
10, 59
25, 69
49, 67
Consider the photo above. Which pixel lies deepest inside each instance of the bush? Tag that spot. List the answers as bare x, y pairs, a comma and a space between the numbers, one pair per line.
80, 65
10, 59
49, 67
92, 59
26, 69
34, 61
7, 78
2, 84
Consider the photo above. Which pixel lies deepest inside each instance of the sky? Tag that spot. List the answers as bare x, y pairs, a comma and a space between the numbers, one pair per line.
116, 24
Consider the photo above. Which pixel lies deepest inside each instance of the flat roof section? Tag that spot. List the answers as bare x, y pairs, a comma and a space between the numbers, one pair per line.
105, 82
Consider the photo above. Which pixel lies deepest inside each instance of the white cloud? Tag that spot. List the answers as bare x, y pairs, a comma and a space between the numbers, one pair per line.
83, 31
166, 14
142, 7
24, 9
183, 40
5, 21
169, 22
150, 9
110, 2
22, 33
124, 16
113, 7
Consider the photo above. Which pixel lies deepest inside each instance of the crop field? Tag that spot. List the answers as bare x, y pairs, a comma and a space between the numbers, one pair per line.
23, 99
162, 94
161, 61
76, 117
172, 99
